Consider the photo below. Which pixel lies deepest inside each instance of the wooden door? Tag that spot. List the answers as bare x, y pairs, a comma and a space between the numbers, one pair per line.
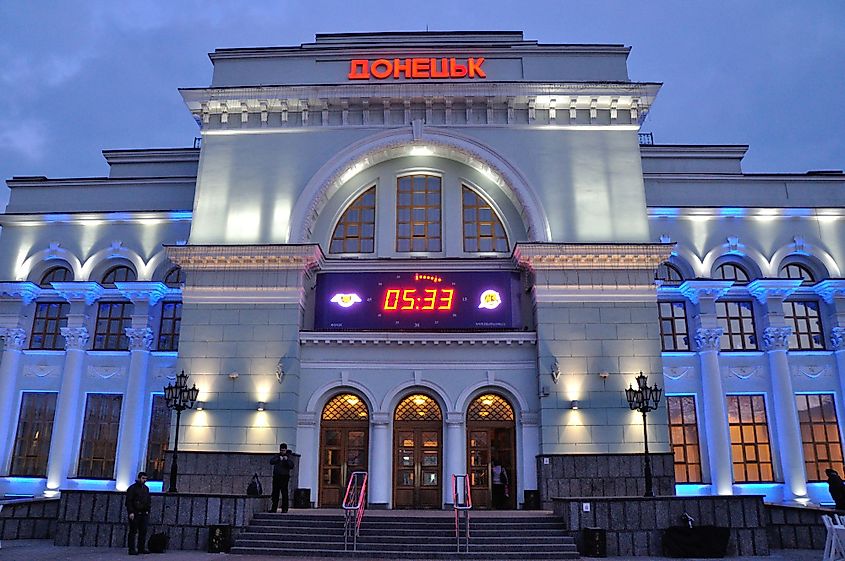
344, 445
418, 453
490, 436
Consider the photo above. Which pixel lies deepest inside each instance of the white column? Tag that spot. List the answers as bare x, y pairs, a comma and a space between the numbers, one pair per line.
15, 339
776, 343
530, 450
455, 457
380, 460
130, 438
715, 411
837, 342
69, 408
308, 448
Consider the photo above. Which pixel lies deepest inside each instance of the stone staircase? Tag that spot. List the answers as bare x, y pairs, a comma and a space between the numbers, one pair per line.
402, 535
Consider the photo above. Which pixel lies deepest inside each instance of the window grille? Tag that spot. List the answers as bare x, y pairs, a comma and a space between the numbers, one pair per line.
112, 320
355, 231
674, 335
418, 213
668, 273
418, 407
47, 325
683, 434
490, 407
32, 439
731, 271
736, 318
750, 449
121, 273
175, 277
171, 321
483, 230
807, 333
345, 407
99, 436
797, 271
819, 435
56, 274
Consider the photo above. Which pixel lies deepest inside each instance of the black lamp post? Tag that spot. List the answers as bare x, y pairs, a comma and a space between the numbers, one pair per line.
178, 397
644, 399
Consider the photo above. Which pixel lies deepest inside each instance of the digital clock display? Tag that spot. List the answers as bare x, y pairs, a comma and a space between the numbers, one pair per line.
417, 300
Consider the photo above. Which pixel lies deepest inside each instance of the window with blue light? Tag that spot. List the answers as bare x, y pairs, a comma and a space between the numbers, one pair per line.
674, 334
797, 271
112, 320
732, 272
171, 321
60, 273
47, 325
99, 436
804, 319
736, 318
819, 434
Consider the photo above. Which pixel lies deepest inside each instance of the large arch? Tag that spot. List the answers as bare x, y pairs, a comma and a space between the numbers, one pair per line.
402, 142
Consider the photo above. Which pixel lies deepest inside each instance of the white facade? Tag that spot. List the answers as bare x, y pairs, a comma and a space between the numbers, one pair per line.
548, 140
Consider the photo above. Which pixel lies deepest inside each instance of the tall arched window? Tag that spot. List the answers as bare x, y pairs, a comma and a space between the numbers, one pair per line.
59, 273
668, 273
731, 271
355, 231
418, 213
121, 273
483, 230
797, 271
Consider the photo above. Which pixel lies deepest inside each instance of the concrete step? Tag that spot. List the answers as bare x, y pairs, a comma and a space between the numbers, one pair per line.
391, 554
402, 540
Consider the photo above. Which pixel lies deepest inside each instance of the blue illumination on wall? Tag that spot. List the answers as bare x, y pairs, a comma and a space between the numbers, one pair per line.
678, 353
665, 212
155, 486
732, 211
19, 480
692, 490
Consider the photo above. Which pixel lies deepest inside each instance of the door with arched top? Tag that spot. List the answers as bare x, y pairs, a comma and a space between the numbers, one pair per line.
418, 453
344, 443
490, 436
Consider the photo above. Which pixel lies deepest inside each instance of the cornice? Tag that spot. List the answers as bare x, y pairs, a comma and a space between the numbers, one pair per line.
830, 289
763, 289
40, 181
694, 290
340, 338
143, 291
129, 216
245, 257
79, 290
694, 213
152, 155
243, 295
334, 264
26, 291
615, 293
536, 256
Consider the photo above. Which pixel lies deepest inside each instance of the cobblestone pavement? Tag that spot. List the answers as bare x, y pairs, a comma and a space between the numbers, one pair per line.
44, 550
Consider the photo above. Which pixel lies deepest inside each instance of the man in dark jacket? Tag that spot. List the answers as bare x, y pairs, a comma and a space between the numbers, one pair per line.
836, 487
282, 465
138, 506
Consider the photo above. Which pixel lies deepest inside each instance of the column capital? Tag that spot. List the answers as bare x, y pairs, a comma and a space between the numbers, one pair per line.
763, 289
454, 418
830, 289
26, 291
76, 338
529, 418
837, 338
15, 338
306, 420
708, 338
776, 338
695, 290
380, 418
79, 290
140, 338
151, 292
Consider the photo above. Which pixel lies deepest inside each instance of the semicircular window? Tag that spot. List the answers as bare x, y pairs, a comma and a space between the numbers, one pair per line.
355, 231
175, 277
668, 273
483, 230
731, 271
121, 273
60, 273
418, 407
797, 271
345, 407
490, 407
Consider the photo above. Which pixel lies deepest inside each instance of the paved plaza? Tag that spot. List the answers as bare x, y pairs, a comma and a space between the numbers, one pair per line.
44, 550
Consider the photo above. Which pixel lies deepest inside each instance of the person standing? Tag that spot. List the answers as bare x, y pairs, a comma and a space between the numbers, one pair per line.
499, 478
836, 487
138, 505
282, 466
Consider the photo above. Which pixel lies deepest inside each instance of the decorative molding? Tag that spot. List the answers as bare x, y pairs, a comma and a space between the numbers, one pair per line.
306, 420
763, 289
776, 338
25, 290
76, 338
695, 290
106, 372
814, 371
454, 418
243, 295
676, 372
573, 293
380, 418
830, 289
529, 418
245, 257
744, 372
534, 256
165, 373
79, 290
421, 339
708, 338
151, 292
554, 370
140, 338
14, 337
41, 370
837, 338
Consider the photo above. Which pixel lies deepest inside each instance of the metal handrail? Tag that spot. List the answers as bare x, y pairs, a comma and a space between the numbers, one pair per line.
462, 504
354, 504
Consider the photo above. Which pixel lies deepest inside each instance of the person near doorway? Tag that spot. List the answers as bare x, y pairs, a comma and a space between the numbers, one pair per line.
499, 479
836, 487
138, 505
282, 466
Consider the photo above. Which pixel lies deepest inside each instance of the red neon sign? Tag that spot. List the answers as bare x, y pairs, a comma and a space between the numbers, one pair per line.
411, 299
416, 68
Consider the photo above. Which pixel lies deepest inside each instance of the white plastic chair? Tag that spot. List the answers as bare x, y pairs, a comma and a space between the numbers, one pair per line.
833, 545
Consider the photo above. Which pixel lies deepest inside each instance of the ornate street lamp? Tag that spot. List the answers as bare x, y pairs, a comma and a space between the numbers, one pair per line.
644, 399
178, 397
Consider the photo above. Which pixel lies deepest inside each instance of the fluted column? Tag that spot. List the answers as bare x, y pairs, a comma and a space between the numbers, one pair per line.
130, 438
530, 449
776, 344
15, 340
380, 460
715, 411
69, 409
455, 461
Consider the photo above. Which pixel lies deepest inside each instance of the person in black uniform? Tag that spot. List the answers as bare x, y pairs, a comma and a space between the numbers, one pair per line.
138, 507
836, 487
282, 466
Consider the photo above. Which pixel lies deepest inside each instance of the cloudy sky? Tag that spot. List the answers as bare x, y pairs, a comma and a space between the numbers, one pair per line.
77, 77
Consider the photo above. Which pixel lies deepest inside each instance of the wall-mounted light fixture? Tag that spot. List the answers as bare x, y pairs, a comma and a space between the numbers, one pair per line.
604, 375
233, 376
574, 405
200, 405
260, 406
555, 372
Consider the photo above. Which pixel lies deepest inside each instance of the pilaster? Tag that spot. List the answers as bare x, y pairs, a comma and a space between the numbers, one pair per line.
381, 460
15, 341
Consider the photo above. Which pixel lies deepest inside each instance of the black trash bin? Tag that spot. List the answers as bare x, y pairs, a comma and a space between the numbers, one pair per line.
532, 499
302, 498
219, 538
594, 542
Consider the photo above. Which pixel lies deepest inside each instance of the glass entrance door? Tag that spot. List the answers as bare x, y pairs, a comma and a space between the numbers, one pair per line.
490, 437
344, 444
418, 454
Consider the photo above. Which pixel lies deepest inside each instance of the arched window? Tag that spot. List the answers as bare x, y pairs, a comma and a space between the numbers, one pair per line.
121, 273
60, 273
418, 213
731, 271
175, 277
490, 407
345, 407
418, 407
668, 273
483, 231
797, 271
355, 231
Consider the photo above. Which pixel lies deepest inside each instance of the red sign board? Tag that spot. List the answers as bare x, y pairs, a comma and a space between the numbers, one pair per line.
416, 68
